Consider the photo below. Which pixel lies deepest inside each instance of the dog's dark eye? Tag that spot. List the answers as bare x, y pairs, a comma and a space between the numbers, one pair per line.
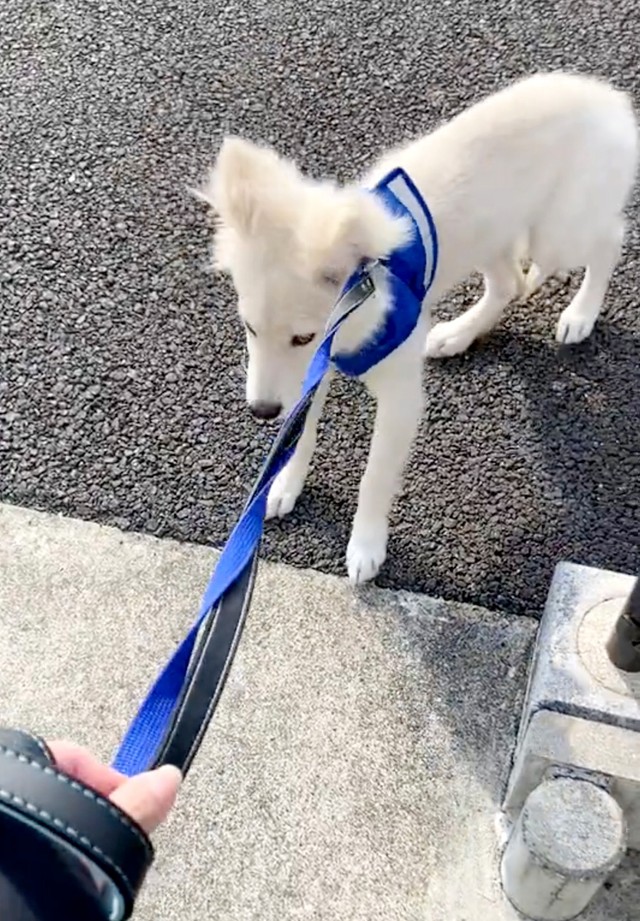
249, 328
303, 340
330, 278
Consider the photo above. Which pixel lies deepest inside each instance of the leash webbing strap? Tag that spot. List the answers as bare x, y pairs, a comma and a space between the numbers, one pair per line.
173, 718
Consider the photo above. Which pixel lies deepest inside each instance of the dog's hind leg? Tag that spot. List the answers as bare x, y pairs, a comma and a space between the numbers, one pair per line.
578, 319
503, 280
289, 483
397, 385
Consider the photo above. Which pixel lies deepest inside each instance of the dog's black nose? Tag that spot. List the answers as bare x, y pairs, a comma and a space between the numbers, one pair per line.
262, 409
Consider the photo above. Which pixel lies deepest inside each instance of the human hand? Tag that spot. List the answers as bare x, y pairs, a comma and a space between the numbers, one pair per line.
147, 798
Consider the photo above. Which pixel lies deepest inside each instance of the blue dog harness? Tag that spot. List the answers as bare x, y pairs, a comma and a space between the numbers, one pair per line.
409, 275
173, 718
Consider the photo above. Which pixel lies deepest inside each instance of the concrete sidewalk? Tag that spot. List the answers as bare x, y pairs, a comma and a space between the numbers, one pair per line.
355, 765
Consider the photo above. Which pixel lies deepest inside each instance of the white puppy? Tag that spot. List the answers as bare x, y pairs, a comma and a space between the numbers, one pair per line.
541, 171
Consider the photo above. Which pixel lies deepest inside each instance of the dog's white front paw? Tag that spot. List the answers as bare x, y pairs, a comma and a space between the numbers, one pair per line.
283, 494
449, 338
574, 326
366, 553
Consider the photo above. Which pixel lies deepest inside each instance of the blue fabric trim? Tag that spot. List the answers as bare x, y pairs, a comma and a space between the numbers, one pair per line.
405, 270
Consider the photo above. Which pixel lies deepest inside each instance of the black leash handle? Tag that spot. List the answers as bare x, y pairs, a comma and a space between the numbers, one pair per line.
68, 852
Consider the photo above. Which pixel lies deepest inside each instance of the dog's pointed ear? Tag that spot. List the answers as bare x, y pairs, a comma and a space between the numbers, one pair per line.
239, 183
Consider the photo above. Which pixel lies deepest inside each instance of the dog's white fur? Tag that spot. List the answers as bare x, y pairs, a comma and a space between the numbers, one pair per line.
541, 170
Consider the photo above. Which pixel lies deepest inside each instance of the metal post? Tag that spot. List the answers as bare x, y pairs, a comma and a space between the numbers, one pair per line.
623, 647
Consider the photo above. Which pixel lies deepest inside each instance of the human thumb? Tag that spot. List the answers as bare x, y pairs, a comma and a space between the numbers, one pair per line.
148, 797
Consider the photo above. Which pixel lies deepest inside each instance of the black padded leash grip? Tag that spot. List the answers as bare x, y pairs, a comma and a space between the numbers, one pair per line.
59, 839
210, 664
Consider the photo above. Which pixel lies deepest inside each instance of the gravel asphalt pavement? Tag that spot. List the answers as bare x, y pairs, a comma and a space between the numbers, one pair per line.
121, 382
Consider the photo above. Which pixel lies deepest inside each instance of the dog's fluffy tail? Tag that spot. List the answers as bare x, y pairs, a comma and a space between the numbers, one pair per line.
521, 255
529, 280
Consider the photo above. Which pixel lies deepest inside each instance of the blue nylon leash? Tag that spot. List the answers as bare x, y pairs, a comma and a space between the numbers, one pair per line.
171, 721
